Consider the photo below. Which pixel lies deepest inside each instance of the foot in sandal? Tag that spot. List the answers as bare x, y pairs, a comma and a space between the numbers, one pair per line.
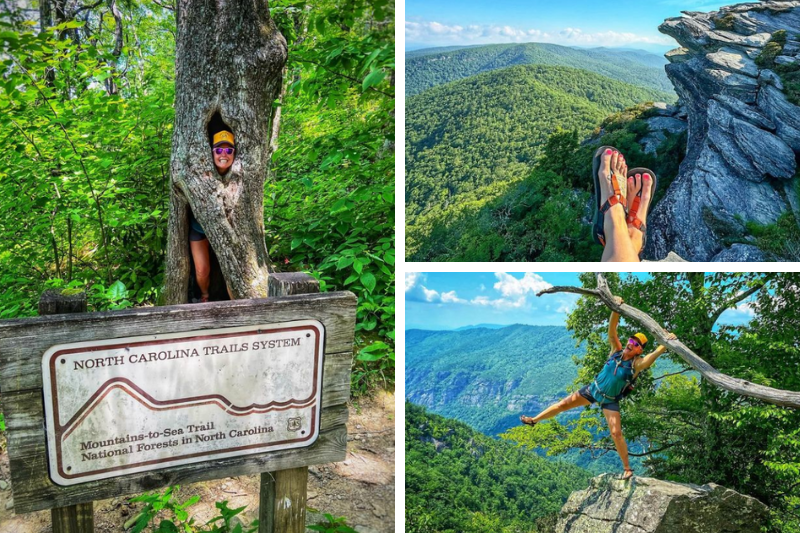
642, 183
527, 420
627, 474
609, 172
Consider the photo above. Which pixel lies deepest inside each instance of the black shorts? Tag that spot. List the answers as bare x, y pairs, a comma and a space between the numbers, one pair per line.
195, 235
611, 406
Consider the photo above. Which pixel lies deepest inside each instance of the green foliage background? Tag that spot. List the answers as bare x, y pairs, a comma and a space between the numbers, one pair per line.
85, 173
458, 480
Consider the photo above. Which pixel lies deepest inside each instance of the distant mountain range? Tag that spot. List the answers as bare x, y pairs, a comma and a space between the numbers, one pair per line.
429, 67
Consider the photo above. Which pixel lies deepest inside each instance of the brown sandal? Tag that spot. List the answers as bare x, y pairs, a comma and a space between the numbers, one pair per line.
527, 420
625, 476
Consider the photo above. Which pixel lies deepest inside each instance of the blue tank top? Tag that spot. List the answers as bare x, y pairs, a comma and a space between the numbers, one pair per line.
612, 379
196, 225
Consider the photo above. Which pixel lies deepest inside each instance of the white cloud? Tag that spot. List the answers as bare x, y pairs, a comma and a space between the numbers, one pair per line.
432, 32
452, 297
508, 285
499, 303
411, 279
436, 32
417, 292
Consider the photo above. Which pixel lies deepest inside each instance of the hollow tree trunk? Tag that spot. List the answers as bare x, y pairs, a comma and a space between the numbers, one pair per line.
229, 57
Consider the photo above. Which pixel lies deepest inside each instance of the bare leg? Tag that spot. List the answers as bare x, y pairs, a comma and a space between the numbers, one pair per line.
643, 182
570, 402
615, 427
618, 241
202, 265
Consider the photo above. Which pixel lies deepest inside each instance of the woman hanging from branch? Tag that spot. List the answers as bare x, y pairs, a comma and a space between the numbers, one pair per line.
614, 382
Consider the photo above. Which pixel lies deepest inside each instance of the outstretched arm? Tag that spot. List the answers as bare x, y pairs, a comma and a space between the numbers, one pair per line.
613, 322
640, 365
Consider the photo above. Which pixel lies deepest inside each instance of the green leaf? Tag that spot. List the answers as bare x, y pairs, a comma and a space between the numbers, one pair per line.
372, 79
117, 290
368, 281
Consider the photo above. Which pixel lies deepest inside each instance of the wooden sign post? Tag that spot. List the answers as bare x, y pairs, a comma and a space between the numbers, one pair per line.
119, 402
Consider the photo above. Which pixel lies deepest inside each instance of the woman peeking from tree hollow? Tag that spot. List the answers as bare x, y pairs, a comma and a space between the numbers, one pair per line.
223, 151
611, 384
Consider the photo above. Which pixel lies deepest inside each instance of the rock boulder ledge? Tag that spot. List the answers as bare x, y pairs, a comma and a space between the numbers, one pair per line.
648, 505
743, 131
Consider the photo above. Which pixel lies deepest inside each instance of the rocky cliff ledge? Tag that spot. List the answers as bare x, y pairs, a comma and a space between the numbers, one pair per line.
744, 130
647, 505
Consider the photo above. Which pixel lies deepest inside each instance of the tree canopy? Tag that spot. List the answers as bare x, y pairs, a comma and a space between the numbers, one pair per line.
88, 126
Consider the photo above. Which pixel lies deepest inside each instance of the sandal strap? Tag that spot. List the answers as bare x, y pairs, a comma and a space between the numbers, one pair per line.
612, 200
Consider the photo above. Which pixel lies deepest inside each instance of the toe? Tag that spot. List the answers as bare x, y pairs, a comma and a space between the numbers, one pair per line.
614, 161
647, 187
631, 188
605, 162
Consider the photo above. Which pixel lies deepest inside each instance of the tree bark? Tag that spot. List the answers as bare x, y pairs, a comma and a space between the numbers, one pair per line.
229, 57
711, 374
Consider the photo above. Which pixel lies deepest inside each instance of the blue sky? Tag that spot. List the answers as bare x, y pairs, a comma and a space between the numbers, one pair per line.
445, 300
623, 23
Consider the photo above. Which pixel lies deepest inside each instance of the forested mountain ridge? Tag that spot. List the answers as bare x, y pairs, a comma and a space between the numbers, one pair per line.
436, 66
524, 220
468, 140
459, 480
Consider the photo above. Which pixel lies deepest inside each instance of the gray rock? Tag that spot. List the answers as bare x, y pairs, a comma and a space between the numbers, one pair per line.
678, 55
10, 504
734, 61
689, 32
784, 114
672, 125
785, 60
791, 48
744, 111
770, 155
768, 77
740, 253
672, 257
662, 109
736, 85
3, 484
652, 141
647, 505
720, 134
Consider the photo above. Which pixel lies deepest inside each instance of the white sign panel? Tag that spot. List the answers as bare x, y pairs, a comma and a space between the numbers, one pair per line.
120, 406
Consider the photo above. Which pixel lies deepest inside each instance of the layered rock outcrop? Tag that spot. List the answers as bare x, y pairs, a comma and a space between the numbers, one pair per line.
647, 505
744, 133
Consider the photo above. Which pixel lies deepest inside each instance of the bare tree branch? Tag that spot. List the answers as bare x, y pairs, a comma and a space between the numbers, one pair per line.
632, 454
739, 386
673, 374
738, 298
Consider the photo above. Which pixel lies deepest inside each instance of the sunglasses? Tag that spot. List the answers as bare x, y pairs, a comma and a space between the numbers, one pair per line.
226, 151
634, 342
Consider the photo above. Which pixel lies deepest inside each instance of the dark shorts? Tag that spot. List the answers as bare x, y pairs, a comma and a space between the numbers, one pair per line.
611, 406
195, 235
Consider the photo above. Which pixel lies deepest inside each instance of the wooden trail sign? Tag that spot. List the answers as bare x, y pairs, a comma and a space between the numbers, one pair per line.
64, 376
